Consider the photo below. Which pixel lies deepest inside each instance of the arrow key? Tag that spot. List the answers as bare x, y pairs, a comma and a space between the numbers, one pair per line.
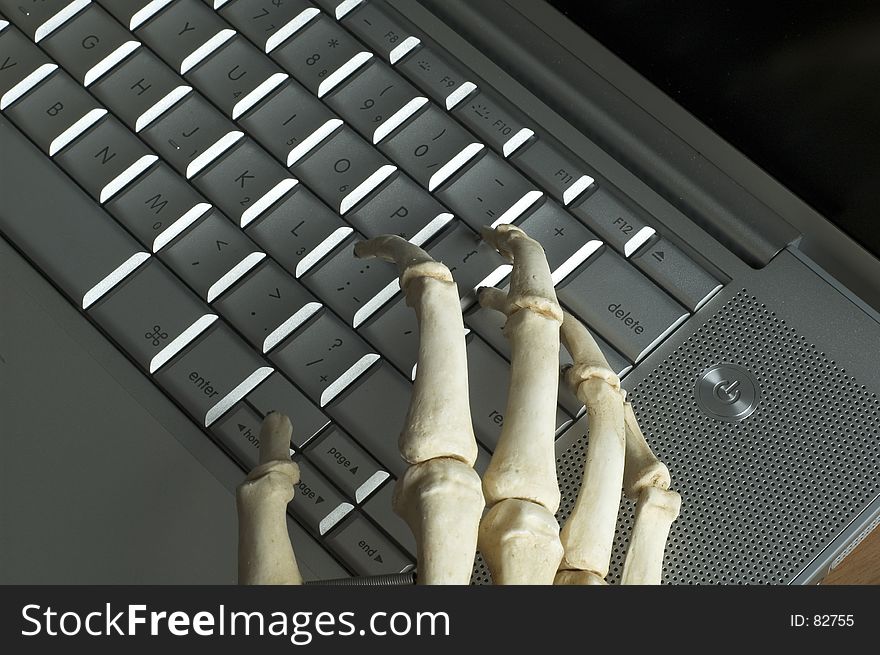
239, 432
346, 463
316, 503
369, 552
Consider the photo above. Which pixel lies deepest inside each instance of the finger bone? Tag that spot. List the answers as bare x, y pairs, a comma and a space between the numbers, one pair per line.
442, 500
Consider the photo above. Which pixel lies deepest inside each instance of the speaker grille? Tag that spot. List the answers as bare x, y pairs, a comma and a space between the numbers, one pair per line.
760, 498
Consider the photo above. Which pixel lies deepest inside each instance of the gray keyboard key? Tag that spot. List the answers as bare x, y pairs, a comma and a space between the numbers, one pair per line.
330, 6
277, 394
157, 206
369, 98
319, 353
360, 544
424, 145
346, 464
125, 11
76, 254
299, 230
105, 159
186, 131
615, 219
36, 19
239, 432
207, 253
212, 374
373, 410
49, 109
495, 121
338, 166
560, 234
235, 76
19, 57
244, 182
316, 503
395, 334
446, 83
486, 191
318, 50
384, 32
147, 311
469, 258
135, 86
267, 305
554, 168
613, 298
488, 379
268, 23
84, 41
677, 273
379, 508
313, 560
179, 30
285, 119
398, 207
355, 288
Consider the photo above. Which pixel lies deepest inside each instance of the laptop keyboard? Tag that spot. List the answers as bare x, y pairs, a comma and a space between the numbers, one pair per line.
245, 146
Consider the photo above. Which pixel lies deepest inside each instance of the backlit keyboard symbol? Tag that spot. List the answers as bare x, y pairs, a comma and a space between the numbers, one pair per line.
156, 335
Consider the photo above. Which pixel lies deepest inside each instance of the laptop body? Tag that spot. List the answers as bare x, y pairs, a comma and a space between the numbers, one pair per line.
773, 491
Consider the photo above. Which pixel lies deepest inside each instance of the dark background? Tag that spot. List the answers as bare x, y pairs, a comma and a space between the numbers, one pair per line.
795, 86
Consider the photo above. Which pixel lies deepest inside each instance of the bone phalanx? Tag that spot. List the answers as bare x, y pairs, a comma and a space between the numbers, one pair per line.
440, 496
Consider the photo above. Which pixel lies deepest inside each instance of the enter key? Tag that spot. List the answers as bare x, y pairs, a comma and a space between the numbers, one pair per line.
621, 304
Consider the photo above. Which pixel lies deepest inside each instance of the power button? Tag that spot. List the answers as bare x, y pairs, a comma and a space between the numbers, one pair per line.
727, 392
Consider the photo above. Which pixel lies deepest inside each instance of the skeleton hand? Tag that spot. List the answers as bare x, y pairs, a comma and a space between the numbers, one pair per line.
440, 496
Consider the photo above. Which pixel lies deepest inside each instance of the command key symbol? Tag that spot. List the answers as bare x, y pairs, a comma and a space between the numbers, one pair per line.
156, 335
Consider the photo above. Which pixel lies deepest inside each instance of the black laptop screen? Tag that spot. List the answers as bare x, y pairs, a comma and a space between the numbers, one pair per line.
794, 86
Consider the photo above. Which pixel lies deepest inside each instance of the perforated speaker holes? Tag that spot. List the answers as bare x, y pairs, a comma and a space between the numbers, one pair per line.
760, 498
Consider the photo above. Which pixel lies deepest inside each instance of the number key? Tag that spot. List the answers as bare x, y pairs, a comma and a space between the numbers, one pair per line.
370, 98
316, 52
426, 144
268, 22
